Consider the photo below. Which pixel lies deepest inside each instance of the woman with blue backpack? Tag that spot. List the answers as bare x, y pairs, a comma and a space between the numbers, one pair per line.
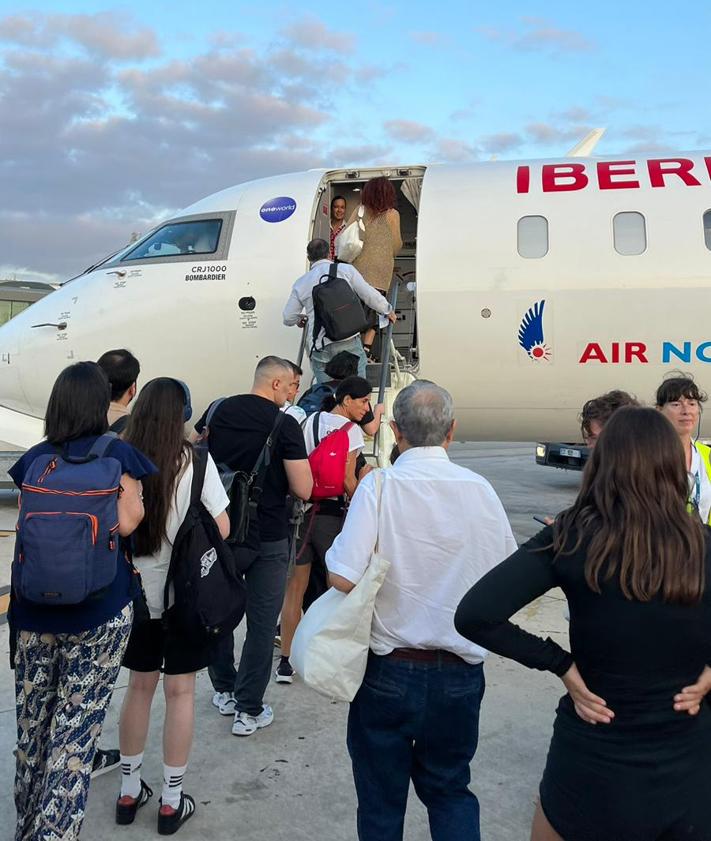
71, 598
162, 643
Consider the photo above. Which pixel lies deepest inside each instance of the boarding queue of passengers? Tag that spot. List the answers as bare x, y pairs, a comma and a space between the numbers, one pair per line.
98, 582
633, 731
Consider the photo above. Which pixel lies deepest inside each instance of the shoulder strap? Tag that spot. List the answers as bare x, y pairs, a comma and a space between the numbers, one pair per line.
119, 424
378, 504
199, 468
101, 445
259, 472
214, 406
315, 428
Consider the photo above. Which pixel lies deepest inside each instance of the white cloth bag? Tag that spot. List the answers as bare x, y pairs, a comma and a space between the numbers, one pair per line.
330, 648
349, 243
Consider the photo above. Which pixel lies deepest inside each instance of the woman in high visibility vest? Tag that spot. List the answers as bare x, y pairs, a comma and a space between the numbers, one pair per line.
679, 399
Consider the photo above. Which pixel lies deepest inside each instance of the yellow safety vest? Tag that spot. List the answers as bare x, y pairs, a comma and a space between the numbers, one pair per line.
705, 453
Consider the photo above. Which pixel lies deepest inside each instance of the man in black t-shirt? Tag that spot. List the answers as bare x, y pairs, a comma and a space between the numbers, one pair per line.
238, 430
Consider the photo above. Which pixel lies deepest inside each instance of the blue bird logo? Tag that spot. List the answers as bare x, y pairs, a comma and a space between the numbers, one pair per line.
530, 333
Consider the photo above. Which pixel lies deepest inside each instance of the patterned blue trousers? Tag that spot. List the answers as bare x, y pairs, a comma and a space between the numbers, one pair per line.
63, 685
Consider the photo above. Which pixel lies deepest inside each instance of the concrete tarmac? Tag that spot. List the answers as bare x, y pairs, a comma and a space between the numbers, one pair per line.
292, 781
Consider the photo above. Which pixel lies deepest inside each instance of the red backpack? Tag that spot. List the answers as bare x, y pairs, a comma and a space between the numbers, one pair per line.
328, 461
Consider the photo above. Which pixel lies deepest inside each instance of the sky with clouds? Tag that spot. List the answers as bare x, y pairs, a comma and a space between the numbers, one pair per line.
114, 116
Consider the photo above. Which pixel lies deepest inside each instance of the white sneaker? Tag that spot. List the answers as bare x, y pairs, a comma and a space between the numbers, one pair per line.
245, 724
225, 703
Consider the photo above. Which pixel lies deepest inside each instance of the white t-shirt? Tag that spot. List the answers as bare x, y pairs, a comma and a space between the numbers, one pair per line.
154, 568
699, 486
329, 422
296, 412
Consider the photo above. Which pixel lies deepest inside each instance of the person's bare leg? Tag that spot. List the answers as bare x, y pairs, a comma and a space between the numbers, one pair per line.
179, 693
541, 830
293, 602
136, 712
368, 338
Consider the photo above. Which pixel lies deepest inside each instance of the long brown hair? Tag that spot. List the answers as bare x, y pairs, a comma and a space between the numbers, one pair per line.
632, 509
157, 429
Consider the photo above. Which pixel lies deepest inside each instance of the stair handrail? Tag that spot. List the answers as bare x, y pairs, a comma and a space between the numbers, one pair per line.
302, 347
385, 361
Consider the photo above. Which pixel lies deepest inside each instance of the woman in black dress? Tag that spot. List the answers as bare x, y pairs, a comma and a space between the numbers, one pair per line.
630, 758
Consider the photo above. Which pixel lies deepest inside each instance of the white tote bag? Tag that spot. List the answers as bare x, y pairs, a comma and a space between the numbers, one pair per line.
330, 648
349, 243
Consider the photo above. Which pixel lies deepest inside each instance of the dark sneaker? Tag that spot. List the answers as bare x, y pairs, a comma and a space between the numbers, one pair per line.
170, 820
105, 761
284, 672
126, 806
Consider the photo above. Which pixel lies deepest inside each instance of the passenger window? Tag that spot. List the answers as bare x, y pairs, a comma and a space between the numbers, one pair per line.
199, 237
707, 229
533, 236
630, 233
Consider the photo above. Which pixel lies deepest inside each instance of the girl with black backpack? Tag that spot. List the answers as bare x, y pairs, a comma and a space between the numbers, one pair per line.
159, 644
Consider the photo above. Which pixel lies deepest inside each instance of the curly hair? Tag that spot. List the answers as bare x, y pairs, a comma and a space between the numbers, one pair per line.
378, 195
601, 408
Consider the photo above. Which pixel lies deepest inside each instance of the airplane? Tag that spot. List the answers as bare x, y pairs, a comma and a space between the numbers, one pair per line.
527, 287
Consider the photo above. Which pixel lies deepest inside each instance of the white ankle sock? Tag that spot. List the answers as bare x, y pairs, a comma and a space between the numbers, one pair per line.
131, 775
172, 784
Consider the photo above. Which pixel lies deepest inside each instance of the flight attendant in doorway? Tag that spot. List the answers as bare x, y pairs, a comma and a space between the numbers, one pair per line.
338, 222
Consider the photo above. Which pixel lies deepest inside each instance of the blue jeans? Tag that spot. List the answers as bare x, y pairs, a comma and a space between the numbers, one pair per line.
419, 721
320, 358
266, 585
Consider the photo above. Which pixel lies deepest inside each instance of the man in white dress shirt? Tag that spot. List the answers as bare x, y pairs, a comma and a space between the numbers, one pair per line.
299, 309
416, 716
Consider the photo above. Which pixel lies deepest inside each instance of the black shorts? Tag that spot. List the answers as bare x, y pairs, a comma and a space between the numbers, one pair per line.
319, 531
152, 647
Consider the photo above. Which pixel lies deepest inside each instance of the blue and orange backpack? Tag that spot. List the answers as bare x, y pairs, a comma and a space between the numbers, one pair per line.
67, 545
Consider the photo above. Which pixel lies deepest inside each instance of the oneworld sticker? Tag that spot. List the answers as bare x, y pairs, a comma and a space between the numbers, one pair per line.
278, 209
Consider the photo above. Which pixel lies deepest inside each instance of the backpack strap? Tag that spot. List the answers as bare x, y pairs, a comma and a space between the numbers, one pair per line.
259, 472
101, 445
98, 449
119, 424
199, 469
317, 420
214, 406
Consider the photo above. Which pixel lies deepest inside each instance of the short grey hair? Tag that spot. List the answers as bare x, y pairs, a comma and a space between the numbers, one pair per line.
424, 413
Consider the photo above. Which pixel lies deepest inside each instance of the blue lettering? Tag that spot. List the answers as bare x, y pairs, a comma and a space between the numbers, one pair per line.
668, 349
701, 352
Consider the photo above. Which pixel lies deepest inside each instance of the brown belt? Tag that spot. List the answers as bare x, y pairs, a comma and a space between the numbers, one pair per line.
425, 655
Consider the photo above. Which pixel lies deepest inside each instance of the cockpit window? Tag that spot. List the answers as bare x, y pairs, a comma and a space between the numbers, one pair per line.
178, 238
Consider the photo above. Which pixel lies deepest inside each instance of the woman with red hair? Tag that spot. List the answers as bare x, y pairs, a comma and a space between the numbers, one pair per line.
381, 241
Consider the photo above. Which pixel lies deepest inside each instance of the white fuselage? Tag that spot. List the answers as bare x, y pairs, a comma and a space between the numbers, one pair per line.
610, 320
